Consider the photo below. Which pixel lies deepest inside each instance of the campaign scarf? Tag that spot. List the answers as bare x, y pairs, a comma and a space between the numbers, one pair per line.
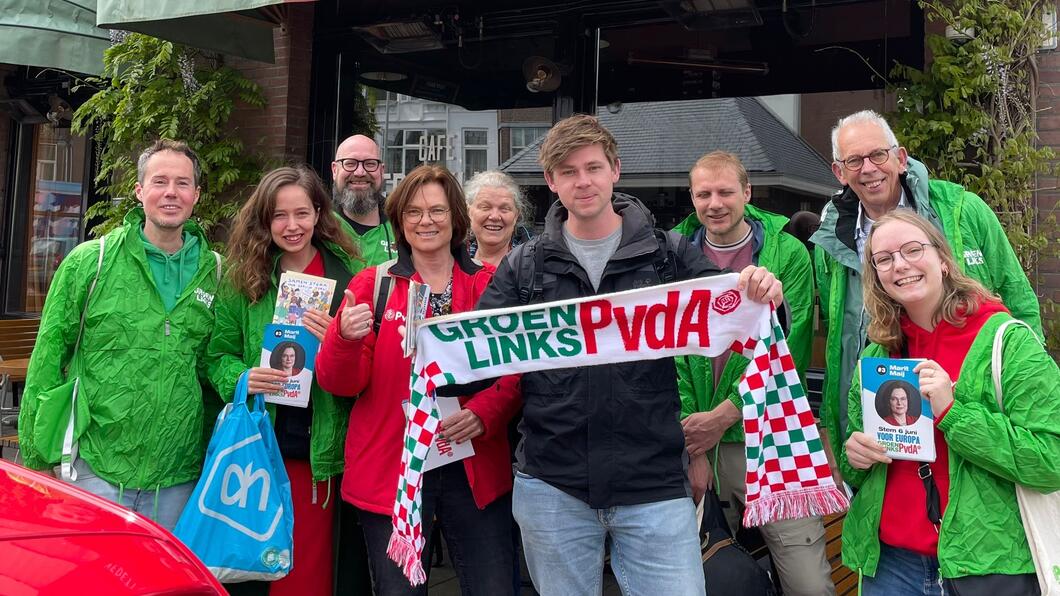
788, 475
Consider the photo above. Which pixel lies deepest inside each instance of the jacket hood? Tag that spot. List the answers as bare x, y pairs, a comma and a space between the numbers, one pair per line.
136, 217
638, 225
404, 267
946, 335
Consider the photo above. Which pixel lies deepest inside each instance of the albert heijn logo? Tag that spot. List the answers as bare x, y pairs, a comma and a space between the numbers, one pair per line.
244, 490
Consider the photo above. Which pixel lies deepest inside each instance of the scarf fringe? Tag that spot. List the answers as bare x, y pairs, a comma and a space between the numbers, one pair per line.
795, 504
403, 552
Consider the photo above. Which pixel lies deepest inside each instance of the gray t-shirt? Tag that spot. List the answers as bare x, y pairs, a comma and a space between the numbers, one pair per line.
593, 255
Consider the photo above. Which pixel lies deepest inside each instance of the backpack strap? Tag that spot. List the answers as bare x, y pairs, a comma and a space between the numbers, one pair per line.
666, 257
536, 275
381, 290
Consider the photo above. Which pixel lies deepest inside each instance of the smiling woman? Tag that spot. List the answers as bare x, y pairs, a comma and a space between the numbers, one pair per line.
497, 208
288, 224
907, 521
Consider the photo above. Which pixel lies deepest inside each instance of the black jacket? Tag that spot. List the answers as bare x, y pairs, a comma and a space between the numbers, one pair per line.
607, 434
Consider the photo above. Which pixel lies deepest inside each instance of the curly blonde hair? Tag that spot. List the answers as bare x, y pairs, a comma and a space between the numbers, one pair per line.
961, 297
250, 251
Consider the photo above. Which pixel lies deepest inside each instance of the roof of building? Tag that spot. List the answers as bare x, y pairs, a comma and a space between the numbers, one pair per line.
663, 139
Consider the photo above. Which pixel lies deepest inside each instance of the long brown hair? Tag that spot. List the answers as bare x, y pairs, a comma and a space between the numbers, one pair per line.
423, 175
251, 251
961, 295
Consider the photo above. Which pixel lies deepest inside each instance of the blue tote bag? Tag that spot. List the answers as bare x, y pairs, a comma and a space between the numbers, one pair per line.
240, 520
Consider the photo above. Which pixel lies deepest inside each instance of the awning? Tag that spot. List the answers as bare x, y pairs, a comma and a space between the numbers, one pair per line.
237, 27
52, 34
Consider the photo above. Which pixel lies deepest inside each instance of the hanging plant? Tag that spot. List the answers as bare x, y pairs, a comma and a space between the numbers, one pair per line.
151, 89
971, 114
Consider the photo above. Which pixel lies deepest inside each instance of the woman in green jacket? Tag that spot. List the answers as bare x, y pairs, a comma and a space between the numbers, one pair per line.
287, 225
952, 526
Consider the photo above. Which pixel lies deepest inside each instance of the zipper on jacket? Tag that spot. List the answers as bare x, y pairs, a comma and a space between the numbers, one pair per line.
167, 326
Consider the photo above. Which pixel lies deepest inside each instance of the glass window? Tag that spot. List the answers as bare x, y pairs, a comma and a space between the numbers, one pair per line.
475, 152
53, 221
521, 138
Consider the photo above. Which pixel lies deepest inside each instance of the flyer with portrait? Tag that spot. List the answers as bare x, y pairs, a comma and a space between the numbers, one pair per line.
894, 411
293, 350
298, 293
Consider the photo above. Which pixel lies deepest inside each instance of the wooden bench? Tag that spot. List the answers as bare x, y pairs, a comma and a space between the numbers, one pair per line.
17, 337
845, 580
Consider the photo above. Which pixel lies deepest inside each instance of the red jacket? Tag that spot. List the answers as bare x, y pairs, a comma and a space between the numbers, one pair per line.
374, 369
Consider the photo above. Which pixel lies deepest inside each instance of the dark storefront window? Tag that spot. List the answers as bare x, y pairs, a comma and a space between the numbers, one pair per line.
47, 212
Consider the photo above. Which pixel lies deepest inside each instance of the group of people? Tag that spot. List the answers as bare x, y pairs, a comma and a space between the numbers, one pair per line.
607, 458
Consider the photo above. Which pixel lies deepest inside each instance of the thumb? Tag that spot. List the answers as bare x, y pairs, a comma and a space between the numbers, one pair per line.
350, 299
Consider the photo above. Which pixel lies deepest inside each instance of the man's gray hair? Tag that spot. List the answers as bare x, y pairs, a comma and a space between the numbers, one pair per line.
168, 145
498, 179
862, 116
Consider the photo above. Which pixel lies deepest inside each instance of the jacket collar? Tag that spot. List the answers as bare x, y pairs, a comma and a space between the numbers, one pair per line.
404, 267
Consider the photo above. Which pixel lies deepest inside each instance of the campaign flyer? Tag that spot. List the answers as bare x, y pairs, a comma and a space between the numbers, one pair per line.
442, 450
894, 411
298, 293
293, 350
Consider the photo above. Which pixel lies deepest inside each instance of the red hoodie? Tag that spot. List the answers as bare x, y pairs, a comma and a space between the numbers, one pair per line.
904, 522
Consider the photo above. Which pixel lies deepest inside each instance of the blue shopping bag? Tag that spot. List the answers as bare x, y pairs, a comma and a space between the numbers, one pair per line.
240, 520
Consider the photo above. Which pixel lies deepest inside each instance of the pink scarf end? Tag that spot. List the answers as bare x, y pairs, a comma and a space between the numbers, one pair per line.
401, 551
795, 504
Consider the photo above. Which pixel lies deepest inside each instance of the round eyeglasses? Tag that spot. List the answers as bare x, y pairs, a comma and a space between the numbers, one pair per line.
435, 214
911, 251
350, 164
878, 157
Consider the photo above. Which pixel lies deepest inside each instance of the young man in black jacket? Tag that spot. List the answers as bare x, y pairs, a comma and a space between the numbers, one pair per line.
603, 454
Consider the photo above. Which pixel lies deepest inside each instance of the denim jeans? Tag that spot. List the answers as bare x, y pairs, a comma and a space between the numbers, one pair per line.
654, 546
479, 540
163, 505
902, 572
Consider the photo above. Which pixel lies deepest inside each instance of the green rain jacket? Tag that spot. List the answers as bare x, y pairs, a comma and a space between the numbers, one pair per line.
981, 530
979, 245
236, 346
377, 245
136, 362
786, 257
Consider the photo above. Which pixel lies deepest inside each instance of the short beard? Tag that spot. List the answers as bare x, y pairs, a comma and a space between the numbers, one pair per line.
356, 203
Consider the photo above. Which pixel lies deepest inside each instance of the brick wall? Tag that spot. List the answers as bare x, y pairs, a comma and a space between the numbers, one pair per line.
280, 131
1048, 279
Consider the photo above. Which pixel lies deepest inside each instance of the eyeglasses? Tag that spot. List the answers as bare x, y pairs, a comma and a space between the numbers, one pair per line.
435, 214
350, 164
911, 251
878, 157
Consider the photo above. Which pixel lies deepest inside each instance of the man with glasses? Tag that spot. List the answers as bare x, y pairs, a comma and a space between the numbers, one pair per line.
357, 184
878, 176
357, 175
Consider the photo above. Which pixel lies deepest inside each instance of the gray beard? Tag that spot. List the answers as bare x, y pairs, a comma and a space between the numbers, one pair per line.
356, 203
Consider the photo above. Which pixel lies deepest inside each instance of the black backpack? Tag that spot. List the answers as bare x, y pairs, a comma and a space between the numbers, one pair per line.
728, 568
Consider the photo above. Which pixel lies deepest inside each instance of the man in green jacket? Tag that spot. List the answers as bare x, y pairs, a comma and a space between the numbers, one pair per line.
357, 175
878, 177
734, 234
146, 326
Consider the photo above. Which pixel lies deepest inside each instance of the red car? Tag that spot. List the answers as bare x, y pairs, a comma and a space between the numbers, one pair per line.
57, 539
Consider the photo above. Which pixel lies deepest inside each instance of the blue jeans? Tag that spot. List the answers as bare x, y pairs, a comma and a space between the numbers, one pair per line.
163, 505
903, 572
479, 540
654, 546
